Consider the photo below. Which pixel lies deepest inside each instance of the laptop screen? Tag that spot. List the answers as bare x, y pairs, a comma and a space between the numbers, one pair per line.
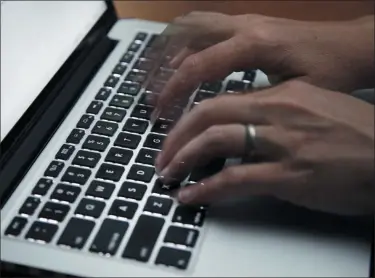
37, 37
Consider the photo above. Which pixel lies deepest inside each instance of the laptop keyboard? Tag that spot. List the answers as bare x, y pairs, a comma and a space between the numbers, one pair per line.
78, 186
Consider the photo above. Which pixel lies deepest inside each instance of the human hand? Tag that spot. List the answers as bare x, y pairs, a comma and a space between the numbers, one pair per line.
318, 147
333, 55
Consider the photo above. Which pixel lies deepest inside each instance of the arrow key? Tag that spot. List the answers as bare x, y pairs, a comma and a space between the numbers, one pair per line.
123, 209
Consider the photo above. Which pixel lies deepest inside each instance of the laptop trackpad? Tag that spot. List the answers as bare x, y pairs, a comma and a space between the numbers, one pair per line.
267, 237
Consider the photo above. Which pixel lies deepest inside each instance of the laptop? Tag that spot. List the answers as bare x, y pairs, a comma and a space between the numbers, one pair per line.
79, 193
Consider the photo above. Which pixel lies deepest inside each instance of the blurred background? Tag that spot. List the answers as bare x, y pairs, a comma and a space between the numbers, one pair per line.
165, 11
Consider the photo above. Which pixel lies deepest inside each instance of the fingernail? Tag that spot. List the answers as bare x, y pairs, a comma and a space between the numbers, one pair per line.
165, 173
186, 195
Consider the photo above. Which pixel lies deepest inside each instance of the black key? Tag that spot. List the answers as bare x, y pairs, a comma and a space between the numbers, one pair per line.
110, 172
75, 136
86, 158
214, 87
100, 189
54, 169
132, 190
109, 237
67, 193
42, 231
134, 47
120, 156
173, 257
180, 235
152, 40
76, 233
90, 207
145, 99
54, 211
65, 152
105, 128
16, 226
103, 94
127, 58
146, 156
42, 187
189, 215
235, 86
119, 69
30, 205
141, 173
136, 126
158, 205
127, 140
142, 112
144, 64
134, 77
113, 114
94, 107
143, 238
96, 143
249, 75
154, 141
129, 89
123, 209
111, 81
199, 173
85, 121
164, 189
121, 101
200, 96
162, 126
141, 36
76, 175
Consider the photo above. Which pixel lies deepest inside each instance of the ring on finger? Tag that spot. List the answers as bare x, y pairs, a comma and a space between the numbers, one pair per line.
250, 137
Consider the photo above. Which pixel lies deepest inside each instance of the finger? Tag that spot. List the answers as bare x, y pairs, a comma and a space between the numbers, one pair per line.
212, 63
250, 179
180, 57
226, 141
216, 141
207, 23
221, 110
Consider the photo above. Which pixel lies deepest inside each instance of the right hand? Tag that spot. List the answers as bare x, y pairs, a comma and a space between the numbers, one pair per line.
334, 55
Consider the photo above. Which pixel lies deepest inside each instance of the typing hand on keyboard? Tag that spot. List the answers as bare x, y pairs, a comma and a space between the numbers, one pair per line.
213, 45
317, 147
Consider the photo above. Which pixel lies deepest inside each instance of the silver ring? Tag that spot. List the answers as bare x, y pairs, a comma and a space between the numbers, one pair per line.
250, 136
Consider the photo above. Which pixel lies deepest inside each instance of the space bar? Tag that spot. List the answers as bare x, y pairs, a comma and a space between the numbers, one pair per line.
143, 238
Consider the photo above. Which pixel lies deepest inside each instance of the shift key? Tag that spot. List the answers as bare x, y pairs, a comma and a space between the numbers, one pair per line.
144, 237
109, 237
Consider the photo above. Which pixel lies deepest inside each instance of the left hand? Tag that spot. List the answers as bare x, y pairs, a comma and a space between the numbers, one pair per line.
319, 146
